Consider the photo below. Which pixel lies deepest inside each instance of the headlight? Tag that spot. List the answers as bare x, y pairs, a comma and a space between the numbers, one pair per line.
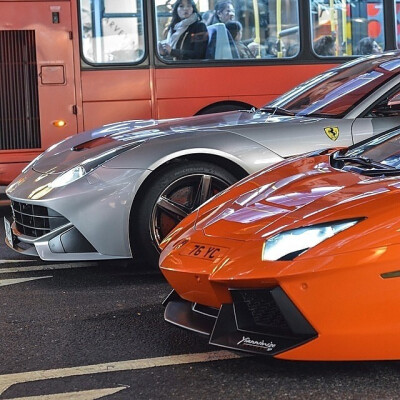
288, 245
68, 177
89, 165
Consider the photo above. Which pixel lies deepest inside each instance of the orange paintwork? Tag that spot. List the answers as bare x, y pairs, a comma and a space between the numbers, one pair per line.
337, 285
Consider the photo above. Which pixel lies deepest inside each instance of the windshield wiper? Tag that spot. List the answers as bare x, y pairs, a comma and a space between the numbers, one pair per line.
373, 167
364, 161
277, 111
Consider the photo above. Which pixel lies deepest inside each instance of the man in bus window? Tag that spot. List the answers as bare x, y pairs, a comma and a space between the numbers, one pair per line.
223, 12
368, 45
325, 46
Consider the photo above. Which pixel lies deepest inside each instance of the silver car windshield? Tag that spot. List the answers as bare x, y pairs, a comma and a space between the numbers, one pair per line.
336, 92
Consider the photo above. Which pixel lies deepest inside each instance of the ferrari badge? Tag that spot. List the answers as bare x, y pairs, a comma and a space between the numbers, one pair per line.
332, 132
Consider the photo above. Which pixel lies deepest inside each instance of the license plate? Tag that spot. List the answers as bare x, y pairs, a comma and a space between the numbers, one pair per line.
9, 234
204, 251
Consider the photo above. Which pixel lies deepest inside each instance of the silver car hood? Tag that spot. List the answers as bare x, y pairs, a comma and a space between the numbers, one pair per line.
112, 139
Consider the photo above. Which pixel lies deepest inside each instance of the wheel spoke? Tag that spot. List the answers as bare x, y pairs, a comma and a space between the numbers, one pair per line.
203, 191
177, 211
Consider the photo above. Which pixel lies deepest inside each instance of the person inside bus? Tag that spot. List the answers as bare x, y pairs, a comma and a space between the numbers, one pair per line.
206, 16
368, 45
325, 46
187, 35
235, 28
223, 12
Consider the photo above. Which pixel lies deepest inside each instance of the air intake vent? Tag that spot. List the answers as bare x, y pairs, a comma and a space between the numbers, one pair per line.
260, 310
35, 221
19, 101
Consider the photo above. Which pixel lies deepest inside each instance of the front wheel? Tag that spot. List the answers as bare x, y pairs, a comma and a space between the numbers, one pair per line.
170, 197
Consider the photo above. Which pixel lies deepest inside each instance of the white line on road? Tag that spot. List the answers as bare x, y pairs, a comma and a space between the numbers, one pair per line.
49, 267
6, 282
15, 261
11, 379
83, 395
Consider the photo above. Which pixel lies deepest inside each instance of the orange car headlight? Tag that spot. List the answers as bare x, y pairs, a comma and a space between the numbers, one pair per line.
289, 244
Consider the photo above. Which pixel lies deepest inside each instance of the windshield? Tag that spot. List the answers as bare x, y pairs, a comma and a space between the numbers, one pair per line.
383, 149
335, 92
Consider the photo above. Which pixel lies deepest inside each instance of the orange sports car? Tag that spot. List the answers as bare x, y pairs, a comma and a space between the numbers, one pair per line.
300, 261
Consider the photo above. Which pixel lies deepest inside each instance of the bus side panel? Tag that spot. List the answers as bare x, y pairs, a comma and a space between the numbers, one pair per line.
225, 84
32, 83
115, 95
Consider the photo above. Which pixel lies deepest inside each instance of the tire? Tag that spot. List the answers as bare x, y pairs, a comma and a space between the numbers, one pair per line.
168, 198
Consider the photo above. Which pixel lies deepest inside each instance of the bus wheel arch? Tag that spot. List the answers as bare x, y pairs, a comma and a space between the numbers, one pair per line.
173, 179
224, 106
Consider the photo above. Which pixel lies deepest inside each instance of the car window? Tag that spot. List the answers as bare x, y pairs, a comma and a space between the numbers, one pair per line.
385, 107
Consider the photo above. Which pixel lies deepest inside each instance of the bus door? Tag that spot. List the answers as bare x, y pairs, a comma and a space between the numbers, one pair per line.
37, 88
115, 73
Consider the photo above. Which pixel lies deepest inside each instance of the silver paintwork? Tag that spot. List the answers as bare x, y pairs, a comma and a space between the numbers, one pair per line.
99, 204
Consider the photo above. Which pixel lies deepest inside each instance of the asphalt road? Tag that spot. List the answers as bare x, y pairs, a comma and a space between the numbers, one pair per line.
91, 331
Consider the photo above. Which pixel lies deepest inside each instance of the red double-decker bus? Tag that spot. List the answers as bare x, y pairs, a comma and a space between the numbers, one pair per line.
72, 65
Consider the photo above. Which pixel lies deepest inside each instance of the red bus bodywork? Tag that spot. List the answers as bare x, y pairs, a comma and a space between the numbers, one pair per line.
89, 97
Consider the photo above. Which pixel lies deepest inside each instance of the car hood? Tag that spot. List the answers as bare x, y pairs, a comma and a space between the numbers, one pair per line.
313, 193
115, 138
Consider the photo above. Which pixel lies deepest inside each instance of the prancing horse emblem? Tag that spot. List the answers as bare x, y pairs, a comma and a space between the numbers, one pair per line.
332, 132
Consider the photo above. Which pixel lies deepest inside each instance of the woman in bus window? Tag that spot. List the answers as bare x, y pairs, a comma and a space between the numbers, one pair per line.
187, 34
223, 12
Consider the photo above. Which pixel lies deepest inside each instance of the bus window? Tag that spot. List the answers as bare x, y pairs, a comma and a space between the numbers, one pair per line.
397, 21
344, 28
237, 29
112, 31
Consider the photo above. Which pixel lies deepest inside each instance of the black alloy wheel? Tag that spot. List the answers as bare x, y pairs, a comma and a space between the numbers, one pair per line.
173, 195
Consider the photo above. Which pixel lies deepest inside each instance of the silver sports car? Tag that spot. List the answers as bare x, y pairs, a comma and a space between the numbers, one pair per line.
117, 191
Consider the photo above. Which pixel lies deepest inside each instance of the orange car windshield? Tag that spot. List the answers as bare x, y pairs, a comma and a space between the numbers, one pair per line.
336, 92
384, 149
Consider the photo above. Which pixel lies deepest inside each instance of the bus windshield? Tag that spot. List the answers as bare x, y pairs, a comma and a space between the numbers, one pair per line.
334, 93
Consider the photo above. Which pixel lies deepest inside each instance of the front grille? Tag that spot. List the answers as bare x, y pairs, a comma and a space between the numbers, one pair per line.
35, 221
259, 311
19, 99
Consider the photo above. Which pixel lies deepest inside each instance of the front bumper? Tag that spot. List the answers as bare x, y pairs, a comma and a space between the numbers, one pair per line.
90, 215
260, 321
64, 243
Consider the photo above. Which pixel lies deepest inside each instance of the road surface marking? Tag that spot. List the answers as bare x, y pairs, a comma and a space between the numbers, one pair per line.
83, 395
15, 261
23, 377
6, 282
49, 267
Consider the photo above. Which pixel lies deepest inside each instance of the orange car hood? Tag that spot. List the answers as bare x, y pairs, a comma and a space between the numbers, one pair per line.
313, 193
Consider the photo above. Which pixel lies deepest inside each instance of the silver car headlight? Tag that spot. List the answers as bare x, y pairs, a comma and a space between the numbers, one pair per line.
68, 177
289, 244
89, 165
